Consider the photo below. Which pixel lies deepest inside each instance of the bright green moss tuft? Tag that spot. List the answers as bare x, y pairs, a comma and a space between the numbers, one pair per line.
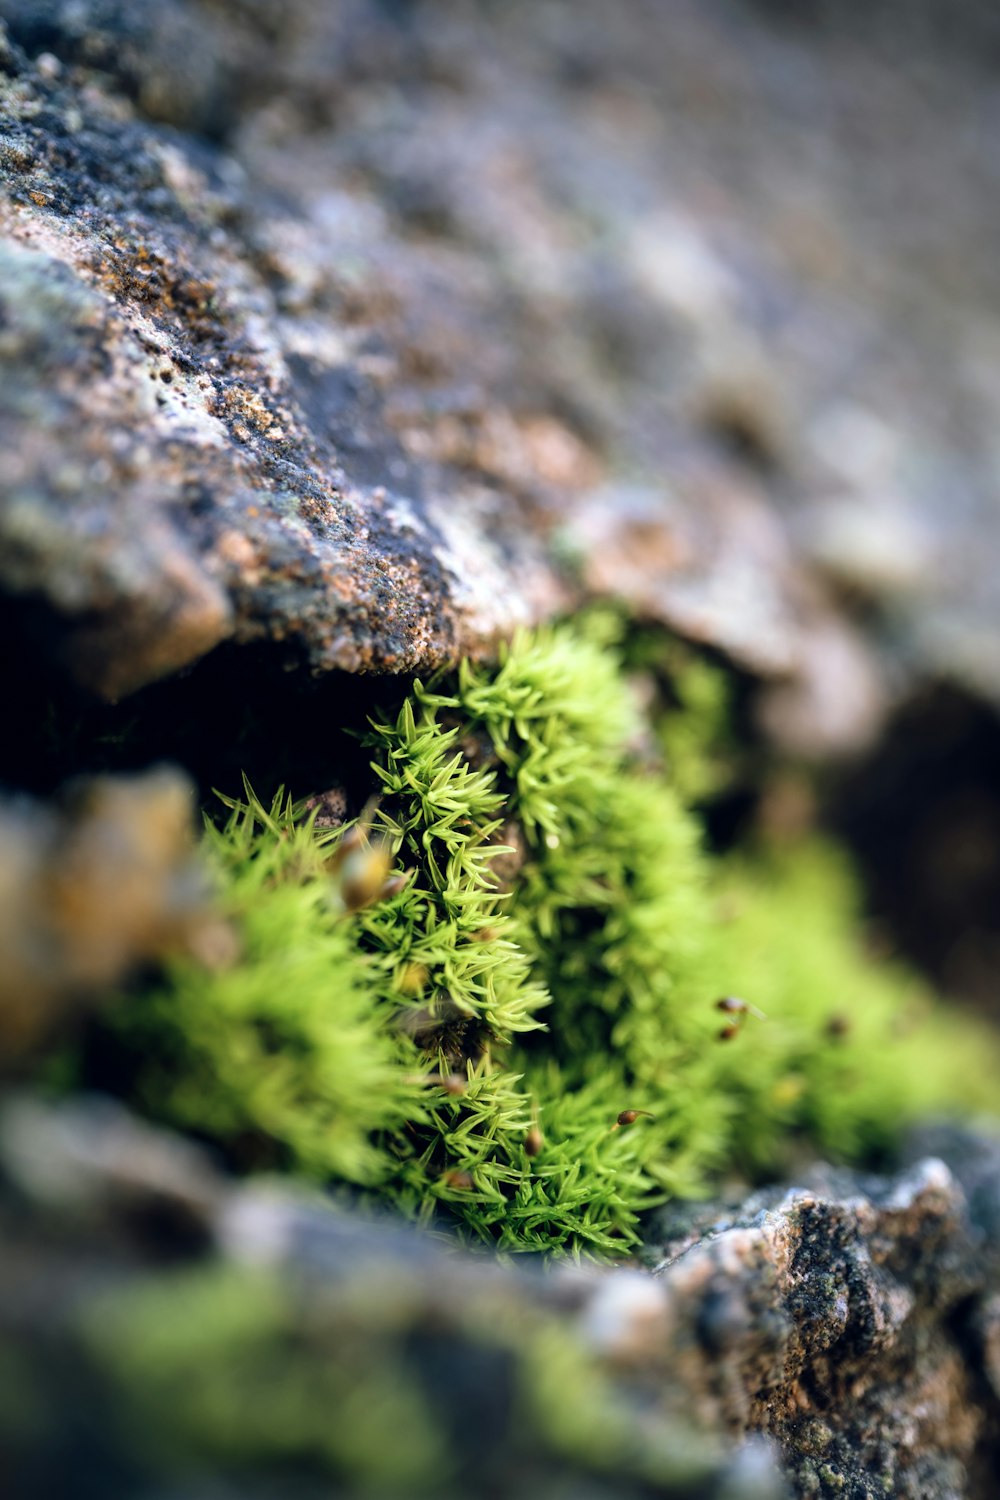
280, 1052
554, 960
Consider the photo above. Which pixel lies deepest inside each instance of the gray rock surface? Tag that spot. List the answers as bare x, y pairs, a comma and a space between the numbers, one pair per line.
164, 1331
840, 1332
162, 485
376, 330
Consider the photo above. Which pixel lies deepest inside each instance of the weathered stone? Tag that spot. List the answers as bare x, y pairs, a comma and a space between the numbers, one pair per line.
433, 328
171, 474
101, 1217
94, 1166
92, 890
850, 1319
848, 1323
372, 331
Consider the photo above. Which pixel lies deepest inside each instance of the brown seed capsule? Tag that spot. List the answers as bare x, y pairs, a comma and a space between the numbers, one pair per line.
412, 978
728, 1032
459, 1182
533, 1141
452, 1083
394, 885
733, 1006
353, 838
361, 866
363, 875
629, 1116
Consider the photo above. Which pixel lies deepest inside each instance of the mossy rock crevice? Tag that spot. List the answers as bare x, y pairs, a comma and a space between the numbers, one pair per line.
540, 1052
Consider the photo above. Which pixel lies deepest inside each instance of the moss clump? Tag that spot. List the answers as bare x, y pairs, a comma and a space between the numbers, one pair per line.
281, 1052
854, 1046
553, 963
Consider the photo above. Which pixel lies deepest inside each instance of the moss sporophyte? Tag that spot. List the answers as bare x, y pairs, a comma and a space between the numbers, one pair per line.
498, 996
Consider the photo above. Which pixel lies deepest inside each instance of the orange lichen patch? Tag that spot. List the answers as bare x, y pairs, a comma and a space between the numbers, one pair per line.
247, 413
164, 285
240, 552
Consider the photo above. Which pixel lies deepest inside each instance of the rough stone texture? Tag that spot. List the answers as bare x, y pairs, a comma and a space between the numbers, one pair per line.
849, 1322
376, 329
372, 330
851, 1319
177, 457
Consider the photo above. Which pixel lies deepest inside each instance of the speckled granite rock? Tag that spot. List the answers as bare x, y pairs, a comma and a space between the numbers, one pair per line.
162, 485
851, 1320
375, 330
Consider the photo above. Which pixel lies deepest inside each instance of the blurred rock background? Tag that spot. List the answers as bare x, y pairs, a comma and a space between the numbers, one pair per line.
344, 337
367, 330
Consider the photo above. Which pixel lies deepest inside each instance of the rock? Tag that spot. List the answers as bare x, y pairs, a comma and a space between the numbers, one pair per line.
95, 1165
847, 1323
850, 1319
371, 331
315, 1351
374, 333
93, 889
173, 466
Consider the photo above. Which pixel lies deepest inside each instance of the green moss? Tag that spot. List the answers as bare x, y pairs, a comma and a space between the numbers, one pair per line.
691, 712
854, 1046
554, 960
282, 1046
376, 1383
230, 1368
